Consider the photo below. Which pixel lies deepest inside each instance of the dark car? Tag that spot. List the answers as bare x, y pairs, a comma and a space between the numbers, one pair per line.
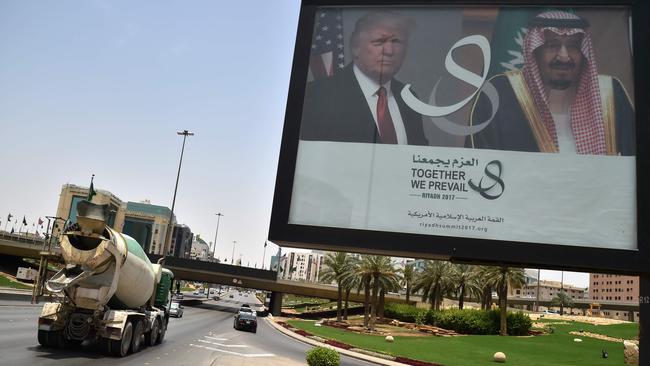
246, 320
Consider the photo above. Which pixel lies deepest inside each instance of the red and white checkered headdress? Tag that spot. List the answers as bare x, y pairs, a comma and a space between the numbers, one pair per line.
586, 110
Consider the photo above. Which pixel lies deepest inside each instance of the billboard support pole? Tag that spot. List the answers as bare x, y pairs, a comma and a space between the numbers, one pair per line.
644, 319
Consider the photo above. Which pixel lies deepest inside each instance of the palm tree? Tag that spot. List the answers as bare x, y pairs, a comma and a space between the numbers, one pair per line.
380, 273
501, 278
562, 300
483, 285
349, 282
335, 267
407, 279
433, 280
462, 277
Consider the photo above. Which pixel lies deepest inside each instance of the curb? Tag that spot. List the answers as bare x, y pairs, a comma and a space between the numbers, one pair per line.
360, 356
12, 294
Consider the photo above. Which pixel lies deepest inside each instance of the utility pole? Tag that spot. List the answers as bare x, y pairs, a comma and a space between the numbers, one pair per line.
170, 228
214, 249
537, 301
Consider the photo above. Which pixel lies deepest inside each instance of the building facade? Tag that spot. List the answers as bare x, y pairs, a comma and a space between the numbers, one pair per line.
609, 288
148, 224
71, 195
181, 246
297, 266
200, 250
550, 289
144, 222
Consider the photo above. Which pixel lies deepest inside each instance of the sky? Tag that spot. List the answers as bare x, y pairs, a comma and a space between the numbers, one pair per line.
101, 87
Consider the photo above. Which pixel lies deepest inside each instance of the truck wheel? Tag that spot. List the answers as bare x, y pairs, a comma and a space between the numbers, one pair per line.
152, 337
120, 348
42, 338
138, 334
163, 330
104, 345
56, 339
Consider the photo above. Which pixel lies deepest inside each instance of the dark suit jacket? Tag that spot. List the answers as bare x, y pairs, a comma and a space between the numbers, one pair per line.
335, 109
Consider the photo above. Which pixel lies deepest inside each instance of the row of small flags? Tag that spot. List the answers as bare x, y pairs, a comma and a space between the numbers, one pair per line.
39, 224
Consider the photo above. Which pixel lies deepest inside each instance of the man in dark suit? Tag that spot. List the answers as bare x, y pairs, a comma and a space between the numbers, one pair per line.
362, 103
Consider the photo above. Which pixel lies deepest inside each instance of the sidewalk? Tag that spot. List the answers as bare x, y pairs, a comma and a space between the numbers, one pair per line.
376, 360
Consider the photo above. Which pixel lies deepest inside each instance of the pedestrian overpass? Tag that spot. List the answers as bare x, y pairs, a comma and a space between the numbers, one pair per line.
260, 279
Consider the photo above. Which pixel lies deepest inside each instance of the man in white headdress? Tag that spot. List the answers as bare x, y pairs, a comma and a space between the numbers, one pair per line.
557, 102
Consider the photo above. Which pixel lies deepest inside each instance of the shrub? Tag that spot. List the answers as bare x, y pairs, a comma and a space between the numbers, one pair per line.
466, 321
403, 312
518, 323
321, 356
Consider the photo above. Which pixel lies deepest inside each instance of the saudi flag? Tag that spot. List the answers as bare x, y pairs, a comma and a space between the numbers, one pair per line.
508, 39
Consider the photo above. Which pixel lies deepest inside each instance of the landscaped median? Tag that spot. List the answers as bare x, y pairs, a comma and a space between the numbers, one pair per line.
555, 347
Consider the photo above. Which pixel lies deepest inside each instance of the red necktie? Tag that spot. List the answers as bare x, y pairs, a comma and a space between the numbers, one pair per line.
386, 128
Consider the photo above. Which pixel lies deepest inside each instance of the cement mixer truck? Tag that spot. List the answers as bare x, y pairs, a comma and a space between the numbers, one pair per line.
112, 295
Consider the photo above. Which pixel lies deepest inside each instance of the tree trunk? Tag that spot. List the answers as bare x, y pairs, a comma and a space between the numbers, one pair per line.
503, 303
338, 303
436, 297
461, 296
366, 301
375, 301
347, 298
408, 292
382, 301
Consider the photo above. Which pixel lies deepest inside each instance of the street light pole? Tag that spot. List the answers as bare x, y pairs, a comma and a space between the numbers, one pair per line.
170, 228
214, 249
264, 255
232, 258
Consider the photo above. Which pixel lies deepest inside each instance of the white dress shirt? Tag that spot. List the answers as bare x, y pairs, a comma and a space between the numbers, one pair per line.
369, 88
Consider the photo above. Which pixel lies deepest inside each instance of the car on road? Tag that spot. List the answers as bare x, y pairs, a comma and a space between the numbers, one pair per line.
176, 310
178, 296
245, 320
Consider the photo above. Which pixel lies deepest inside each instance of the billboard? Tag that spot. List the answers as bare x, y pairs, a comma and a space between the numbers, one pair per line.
465, 132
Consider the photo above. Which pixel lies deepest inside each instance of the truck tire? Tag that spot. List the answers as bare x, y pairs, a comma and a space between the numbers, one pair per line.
42, 338
56, 339
151, 338
121, 347
161, 336
138, 335
104, 345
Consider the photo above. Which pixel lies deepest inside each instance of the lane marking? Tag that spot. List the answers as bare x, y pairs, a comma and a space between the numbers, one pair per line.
215, 338
224, 345
252, 355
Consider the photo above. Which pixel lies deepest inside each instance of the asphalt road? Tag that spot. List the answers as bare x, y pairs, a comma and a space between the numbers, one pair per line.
203, 336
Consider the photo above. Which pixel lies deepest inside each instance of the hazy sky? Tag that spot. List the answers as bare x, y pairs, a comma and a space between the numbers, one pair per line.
101, 87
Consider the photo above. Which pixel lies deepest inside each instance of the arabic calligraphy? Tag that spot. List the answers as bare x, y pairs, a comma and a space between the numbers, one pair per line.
454, 217
449, 163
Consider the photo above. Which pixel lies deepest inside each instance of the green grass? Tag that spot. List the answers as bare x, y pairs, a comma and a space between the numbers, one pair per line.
5, 282
625, 330
554, 349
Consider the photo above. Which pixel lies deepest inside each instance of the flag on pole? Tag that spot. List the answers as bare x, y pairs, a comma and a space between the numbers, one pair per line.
40, 221
327, 51
12, 230
91, 190
9, 217
24, 220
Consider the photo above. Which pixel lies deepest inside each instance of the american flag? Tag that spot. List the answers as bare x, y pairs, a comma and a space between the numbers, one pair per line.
327, 55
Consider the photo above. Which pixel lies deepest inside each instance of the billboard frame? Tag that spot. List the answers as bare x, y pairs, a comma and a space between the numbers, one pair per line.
461, 249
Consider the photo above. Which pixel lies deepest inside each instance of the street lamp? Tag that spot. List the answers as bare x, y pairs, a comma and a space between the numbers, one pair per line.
214, 250
264, 255
170, 228
232, 258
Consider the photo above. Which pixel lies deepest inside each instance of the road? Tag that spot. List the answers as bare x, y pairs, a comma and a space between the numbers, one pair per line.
203, 336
